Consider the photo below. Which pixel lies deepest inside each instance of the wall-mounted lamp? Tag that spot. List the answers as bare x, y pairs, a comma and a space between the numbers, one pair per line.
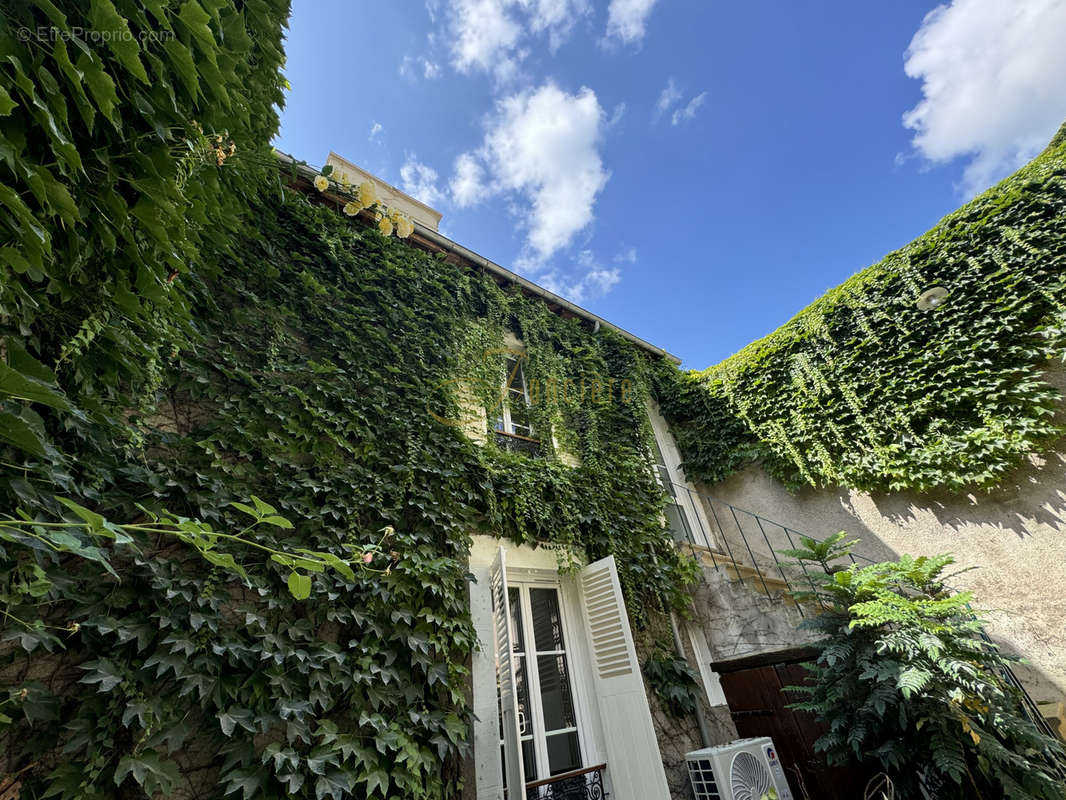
932, 298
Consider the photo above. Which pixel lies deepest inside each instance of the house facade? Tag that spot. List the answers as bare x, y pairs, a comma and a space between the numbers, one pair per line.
554, 599
560, 702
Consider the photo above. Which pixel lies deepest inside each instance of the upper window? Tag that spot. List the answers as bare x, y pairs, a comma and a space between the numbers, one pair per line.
684, 514
513, 427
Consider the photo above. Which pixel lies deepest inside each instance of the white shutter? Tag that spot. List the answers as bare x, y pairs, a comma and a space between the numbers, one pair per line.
634, 764
505, 672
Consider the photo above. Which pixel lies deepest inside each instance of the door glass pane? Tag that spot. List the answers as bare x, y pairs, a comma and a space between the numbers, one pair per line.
547, 625
556, 698
564, 754
515, 599
525, 717
529, 760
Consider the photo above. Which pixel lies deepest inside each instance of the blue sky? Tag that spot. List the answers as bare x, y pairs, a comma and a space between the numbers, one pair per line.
695, 172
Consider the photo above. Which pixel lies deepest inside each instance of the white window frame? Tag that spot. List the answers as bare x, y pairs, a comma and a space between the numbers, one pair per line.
684, 493
507, 391
605, 679
525, 581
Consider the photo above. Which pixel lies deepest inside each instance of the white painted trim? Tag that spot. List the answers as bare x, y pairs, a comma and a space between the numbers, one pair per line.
712, 684
531, 565
687, 497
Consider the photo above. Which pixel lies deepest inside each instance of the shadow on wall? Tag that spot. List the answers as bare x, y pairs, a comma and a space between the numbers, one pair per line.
1014, 536
1031, 497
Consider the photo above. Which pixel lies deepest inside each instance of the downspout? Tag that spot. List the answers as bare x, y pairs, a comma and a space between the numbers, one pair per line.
701, 720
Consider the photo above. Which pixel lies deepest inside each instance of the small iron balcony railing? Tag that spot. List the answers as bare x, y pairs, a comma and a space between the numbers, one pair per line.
513, 443
580, 784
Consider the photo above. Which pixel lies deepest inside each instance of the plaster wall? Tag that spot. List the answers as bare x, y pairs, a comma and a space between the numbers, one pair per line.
739, 620
1015, 536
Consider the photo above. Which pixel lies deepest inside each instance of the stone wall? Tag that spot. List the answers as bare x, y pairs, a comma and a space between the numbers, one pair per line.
680, 735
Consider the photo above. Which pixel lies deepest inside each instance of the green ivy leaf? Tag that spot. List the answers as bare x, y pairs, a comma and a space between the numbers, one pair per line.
106, 20
150, 772
7, 105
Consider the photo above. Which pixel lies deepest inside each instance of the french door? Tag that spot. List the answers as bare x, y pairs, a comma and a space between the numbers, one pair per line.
549, 739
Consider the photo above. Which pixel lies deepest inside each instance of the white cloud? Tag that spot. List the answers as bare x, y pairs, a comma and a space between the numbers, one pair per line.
626, 256
490, 35
993, 83
617, 113
556, 17
689, 111
626, 19
667, 98
592, 280
411, 66
420, 181
468, 182
541, 149
483, 35
375, 131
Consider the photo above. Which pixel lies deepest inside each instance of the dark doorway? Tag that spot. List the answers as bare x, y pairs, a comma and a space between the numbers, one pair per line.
757, 702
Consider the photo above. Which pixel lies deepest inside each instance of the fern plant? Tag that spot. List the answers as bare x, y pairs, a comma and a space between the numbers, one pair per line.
906, 680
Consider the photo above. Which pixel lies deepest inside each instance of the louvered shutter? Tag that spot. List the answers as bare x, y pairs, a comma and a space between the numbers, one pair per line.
634, 764
505, 672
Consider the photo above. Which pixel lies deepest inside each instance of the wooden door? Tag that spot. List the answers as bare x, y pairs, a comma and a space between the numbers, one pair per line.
757, 703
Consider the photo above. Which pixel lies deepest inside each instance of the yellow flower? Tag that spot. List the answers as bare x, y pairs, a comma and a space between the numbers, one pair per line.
404, 227
321, 182
385, 226
351, 209
367, 194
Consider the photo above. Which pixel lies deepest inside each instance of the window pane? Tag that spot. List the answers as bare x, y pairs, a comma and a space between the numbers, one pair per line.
555, 695
677, 520
529, 764
519, 409
547, 626
515, 599
515, 377
564, 753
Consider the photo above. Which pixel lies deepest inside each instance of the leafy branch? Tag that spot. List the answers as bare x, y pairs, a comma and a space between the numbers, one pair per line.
905, 668
59, 537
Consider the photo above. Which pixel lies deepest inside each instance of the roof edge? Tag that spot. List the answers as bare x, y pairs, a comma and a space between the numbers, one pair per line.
446, 244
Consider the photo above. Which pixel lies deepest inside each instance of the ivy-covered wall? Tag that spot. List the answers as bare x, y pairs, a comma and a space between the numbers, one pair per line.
182, 330
314, 380
863, 389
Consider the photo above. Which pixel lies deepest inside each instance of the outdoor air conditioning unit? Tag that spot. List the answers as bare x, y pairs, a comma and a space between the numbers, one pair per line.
747, 769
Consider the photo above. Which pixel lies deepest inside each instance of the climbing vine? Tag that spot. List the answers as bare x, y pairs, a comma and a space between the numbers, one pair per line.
181, 330
868, 388
320, 347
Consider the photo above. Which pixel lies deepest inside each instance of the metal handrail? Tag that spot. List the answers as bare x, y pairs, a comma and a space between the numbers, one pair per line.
764, 569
